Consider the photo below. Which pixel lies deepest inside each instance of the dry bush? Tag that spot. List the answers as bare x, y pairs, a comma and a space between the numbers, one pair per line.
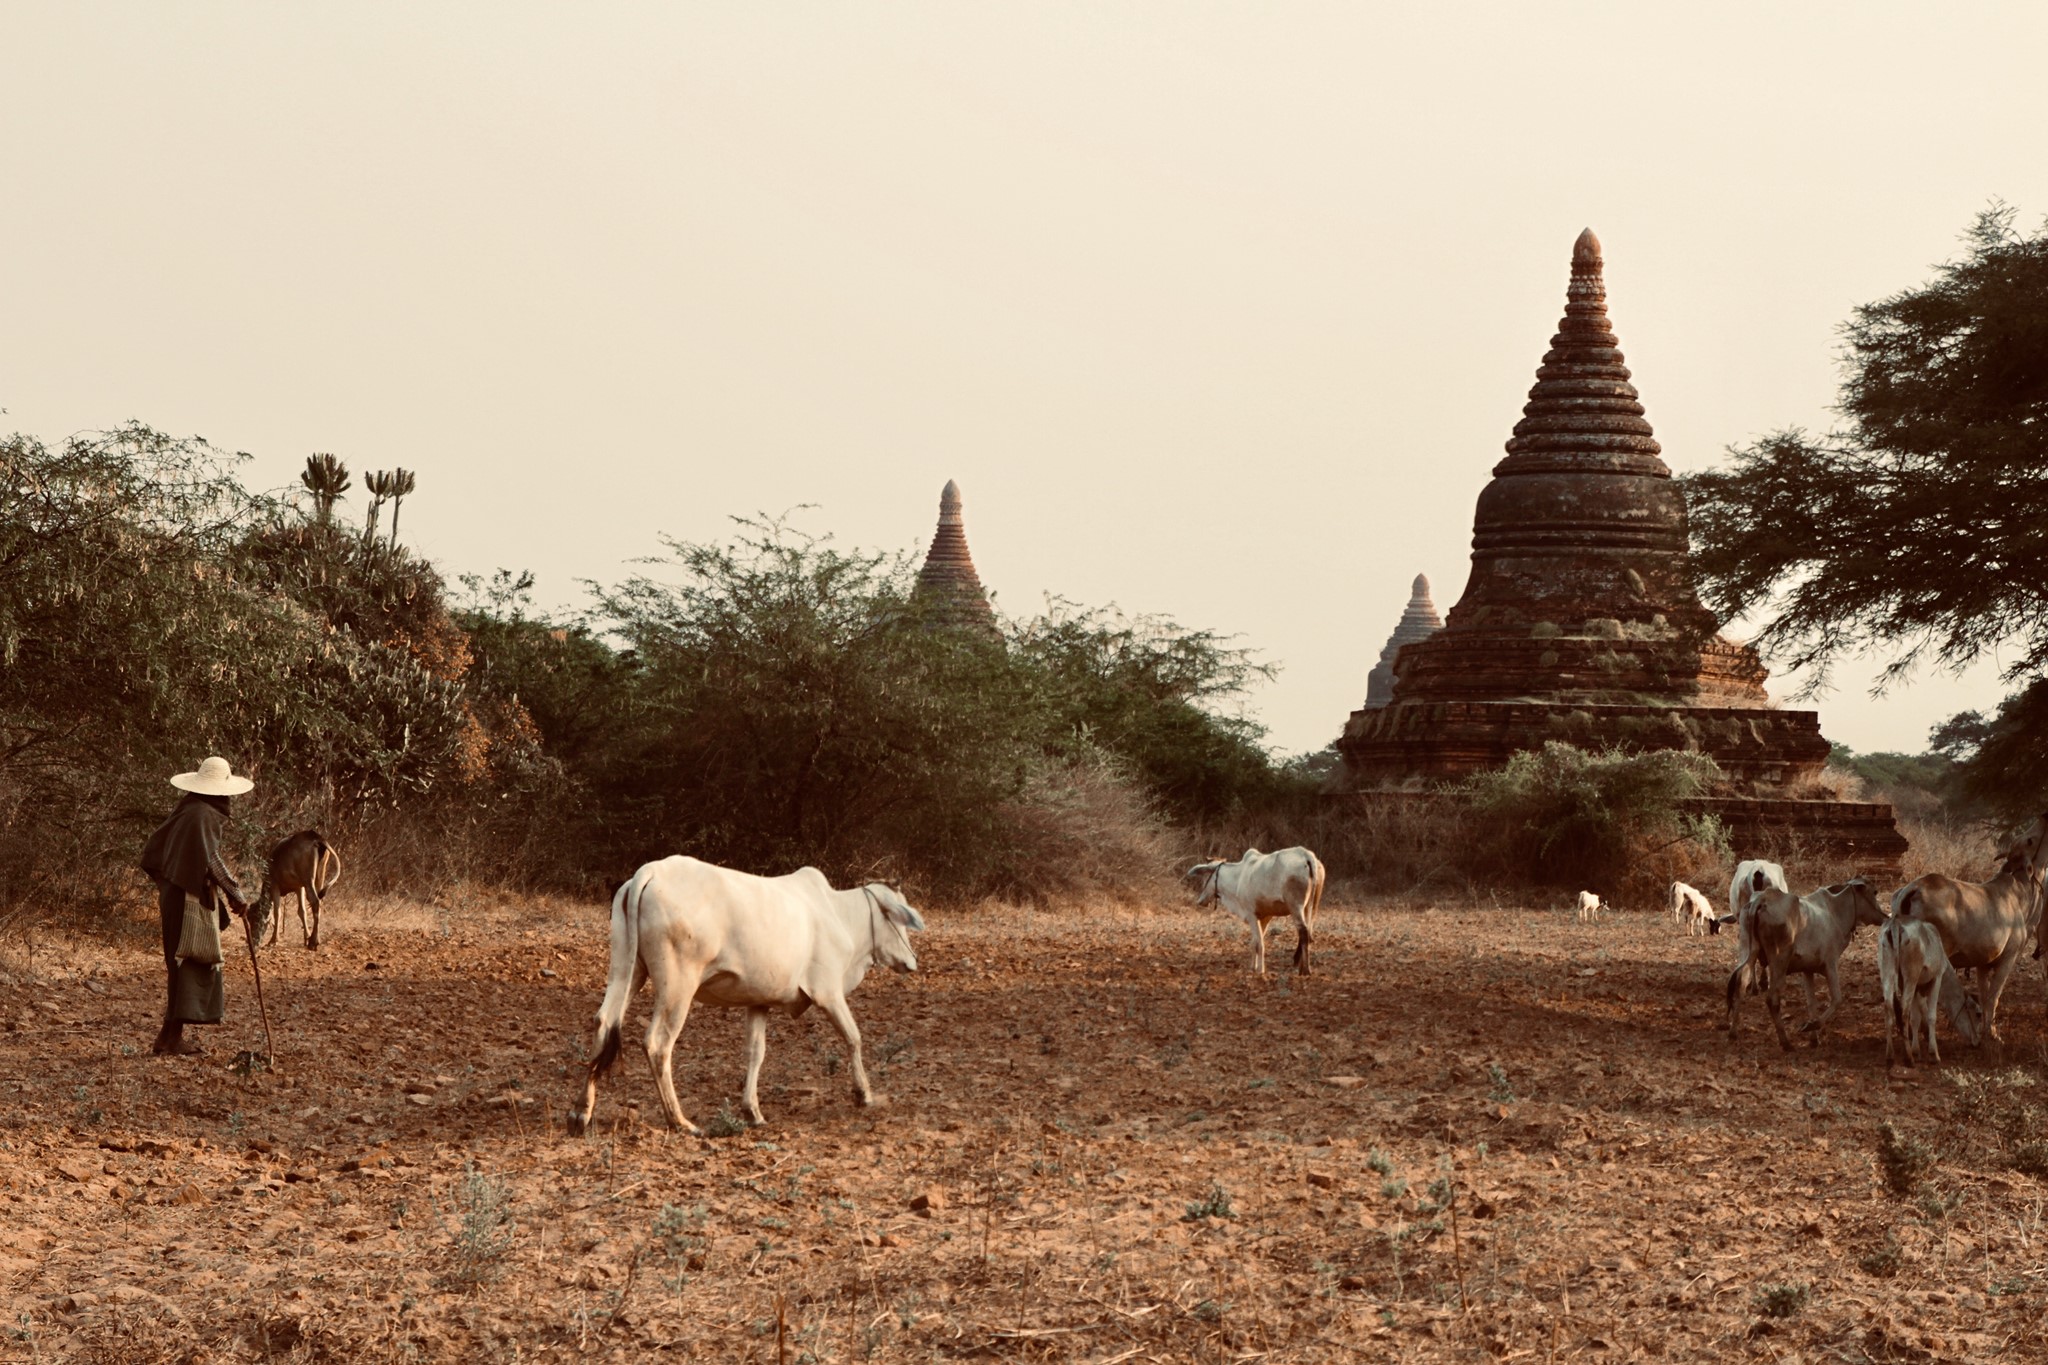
1944, 844
1080, 830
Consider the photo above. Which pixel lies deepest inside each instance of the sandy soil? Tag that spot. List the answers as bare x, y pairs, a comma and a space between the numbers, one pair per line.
1478, 1133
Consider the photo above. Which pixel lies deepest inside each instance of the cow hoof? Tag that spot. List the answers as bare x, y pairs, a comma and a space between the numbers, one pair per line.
577, 1124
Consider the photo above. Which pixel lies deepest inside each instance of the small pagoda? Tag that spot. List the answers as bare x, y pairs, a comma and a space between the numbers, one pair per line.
1580, 621
1418, 621
947, 585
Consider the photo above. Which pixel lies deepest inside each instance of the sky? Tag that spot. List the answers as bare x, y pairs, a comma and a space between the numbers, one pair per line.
1220, 311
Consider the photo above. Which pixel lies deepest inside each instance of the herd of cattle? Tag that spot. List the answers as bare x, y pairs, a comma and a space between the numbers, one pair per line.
710, 935
1937, 927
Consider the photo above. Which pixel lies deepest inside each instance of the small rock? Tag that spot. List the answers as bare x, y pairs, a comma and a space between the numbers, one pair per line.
300, 1174
1344, 1082
549, 972
76, 1170
1322, 1181
187, 1195
1351, 1283
418, 1098
354, 1235
930, 1202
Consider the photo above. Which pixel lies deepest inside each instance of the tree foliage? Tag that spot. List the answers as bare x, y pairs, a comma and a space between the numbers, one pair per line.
1919, 525
153, 611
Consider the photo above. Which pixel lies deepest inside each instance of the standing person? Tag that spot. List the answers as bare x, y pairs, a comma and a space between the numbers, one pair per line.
184, 858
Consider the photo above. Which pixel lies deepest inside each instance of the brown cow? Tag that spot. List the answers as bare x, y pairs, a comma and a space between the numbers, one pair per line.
308, 865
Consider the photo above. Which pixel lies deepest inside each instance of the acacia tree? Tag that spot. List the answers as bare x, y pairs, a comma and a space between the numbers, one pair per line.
1919, 525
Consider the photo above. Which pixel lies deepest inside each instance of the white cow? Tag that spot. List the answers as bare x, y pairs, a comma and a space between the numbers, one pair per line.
1689, 905
1261, 887
1751, 877
1589, 906
709, 934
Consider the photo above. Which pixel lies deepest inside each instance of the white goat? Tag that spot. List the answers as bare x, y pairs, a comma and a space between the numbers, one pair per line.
1917, 977
1802, 935
709, 934
1261, 887
1695, 909
1589, 906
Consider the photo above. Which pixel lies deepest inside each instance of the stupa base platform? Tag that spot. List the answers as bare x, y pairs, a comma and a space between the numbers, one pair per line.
1857, 838
1417, 744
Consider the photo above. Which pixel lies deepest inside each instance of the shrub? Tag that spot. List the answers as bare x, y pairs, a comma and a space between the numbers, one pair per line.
1903, 1161
1563, 816
1215, 1205
484, 1238
1781, 1300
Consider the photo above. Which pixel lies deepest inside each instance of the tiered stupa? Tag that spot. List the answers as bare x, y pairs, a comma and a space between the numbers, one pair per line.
947, 581
1580, 621
1418, 621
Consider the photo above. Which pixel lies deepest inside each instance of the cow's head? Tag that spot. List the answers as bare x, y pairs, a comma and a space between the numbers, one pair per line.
895, 920
1868, 911
2028, 842
1203, 875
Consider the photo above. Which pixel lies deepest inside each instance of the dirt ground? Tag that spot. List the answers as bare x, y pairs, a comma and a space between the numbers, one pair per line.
1476, 1133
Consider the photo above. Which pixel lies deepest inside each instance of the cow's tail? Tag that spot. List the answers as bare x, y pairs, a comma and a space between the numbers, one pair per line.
618, 990
1312, 901
1753, 953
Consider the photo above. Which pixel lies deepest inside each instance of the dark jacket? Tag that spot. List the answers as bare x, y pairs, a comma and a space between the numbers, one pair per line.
185, 850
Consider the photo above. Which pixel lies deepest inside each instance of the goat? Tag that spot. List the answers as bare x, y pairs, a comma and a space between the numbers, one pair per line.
1802, 935
305, 864
1694, 908
1917, 977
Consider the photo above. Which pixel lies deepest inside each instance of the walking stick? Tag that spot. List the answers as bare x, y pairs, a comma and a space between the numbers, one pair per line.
249, 936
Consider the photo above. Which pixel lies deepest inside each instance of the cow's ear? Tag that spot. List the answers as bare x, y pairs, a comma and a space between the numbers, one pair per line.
899, 909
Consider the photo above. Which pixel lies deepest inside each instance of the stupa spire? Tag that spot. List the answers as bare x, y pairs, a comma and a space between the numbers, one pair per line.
948, 580
1418, 621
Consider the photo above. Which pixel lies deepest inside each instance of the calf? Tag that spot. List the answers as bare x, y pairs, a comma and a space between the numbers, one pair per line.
1261, 887
1802, 935
1917, 976
731, 939
306, 865
1589, 906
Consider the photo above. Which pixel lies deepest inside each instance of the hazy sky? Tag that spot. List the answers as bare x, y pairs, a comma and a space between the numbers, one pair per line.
1222, 311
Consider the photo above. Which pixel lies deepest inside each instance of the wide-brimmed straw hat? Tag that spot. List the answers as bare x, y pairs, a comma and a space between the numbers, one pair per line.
214, 778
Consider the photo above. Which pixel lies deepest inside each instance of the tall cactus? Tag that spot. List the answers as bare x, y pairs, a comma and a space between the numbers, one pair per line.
401, 485
326, 478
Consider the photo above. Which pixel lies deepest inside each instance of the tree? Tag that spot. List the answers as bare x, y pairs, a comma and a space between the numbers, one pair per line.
1919, 525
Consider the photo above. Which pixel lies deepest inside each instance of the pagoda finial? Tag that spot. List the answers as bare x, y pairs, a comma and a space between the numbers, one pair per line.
1587, 248
948, 576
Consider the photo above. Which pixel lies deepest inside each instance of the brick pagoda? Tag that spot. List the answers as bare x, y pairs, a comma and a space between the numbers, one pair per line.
1580, 621
948, 582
